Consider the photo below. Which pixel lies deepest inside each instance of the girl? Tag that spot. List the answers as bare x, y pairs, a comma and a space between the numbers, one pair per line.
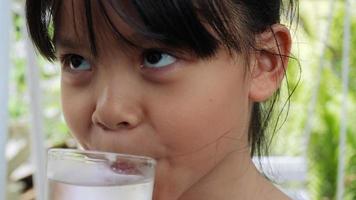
181, 81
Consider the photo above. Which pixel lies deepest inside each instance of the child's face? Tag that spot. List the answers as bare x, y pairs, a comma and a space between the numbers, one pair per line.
177, 109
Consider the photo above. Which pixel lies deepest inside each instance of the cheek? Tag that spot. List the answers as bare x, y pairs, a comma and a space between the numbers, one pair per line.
191, 118
76, 105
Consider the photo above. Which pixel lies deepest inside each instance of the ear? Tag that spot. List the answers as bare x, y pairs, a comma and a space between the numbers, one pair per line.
270, 62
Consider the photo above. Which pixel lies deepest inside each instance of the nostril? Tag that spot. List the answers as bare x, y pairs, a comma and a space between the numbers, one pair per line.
123, 124
103, 126
119, 125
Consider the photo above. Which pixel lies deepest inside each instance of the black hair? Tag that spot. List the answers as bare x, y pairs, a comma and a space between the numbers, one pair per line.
200, 26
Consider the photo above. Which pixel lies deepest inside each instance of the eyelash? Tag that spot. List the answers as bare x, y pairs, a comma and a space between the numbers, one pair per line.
65, 58
145, 53
157, 50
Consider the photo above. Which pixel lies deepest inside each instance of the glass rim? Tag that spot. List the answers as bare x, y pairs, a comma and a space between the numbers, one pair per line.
52, 151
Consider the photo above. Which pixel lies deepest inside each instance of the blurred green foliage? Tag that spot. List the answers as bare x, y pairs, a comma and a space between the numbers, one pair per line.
323, 148
323, 145
54, 126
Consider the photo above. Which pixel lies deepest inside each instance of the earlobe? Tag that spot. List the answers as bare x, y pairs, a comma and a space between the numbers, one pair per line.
271, 61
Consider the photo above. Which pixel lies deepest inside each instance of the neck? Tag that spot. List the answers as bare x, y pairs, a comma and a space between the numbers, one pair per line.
235, 178
227, 174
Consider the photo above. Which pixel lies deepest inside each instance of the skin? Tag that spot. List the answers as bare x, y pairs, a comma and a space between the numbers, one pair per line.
191, 116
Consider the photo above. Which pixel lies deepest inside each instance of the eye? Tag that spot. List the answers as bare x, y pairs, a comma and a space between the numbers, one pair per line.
157, 59
76, 62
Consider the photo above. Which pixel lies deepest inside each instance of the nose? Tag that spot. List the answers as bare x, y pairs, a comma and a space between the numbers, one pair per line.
116, 111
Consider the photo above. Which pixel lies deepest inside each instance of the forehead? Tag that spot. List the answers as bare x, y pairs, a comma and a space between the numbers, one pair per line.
169, 24
70, 18
78, 19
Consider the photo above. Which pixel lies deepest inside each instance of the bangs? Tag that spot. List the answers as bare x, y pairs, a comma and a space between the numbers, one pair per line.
200, 26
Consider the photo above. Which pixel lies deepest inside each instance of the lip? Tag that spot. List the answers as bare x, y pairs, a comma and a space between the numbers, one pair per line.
125, 167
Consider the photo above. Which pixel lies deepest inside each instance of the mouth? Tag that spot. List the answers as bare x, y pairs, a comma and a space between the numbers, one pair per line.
125, 167
141, 141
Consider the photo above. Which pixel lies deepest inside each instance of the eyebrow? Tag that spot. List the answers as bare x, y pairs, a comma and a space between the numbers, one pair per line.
69, 43
75, 43
143, 41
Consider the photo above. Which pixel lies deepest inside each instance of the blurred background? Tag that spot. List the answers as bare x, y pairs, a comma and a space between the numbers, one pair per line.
313, 155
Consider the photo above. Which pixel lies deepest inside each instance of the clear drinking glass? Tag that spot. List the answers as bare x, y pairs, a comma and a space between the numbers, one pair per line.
87, 175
